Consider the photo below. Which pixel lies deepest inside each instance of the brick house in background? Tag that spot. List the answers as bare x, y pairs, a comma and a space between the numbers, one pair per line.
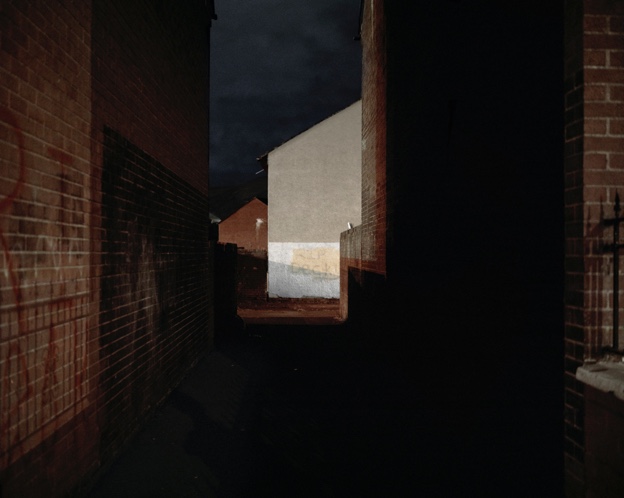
105, 273
314, 192
248, 228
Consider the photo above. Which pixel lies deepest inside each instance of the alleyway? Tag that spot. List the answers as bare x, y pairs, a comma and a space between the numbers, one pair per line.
303, 410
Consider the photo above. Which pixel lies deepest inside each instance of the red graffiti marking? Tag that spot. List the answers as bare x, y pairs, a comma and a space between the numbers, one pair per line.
9, 117
16, 363
50, 366
60, 156
15, 348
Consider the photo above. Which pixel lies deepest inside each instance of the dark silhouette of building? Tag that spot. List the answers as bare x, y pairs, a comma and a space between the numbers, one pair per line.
455, 273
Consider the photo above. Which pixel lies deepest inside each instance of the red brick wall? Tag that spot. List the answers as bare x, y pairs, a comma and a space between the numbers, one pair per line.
47, 378
154, 286
243, 229
150, 185
68, 71
363, 249
594, 171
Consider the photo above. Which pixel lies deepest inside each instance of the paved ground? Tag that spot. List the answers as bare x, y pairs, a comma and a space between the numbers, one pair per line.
296, 410
291, 312
285, 412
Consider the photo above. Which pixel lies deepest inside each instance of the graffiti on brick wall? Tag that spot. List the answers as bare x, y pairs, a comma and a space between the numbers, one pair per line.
321, 262
43, 302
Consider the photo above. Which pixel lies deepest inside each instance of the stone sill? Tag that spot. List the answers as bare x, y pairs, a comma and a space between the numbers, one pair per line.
604, 375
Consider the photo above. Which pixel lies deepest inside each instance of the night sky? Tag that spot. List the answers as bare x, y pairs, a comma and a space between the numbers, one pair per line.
277, 68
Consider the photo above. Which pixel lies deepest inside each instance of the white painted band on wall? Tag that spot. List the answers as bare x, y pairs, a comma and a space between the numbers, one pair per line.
304, 269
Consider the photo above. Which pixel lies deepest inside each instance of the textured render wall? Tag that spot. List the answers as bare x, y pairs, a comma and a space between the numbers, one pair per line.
247, 227
374, 83
594, 171
47, 349
66, 73
314, 189
304, 269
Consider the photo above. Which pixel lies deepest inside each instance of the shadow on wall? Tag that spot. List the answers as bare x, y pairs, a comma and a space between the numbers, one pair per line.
294, 281
225, 298
154, 283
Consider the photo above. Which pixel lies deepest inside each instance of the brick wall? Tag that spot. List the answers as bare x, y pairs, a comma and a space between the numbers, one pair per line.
145, 100
154, 287
373, 245
594, 171
69, 71
363, 249
247, 227
150, 179
46, 364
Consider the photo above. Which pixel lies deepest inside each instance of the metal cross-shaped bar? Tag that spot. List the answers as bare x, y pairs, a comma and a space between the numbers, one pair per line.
615, 248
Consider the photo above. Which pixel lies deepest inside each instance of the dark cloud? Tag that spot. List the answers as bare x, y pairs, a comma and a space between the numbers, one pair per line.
277, 68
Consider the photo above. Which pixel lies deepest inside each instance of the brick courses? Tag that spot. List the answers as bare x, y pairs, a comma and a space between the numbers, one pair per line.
363, 249
153, 288
594, 40
70, 70
247, 227
45, 119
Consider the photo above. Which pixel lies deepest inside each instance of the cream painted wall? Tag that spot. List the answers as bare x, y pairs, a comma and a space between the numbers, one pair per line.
314, 190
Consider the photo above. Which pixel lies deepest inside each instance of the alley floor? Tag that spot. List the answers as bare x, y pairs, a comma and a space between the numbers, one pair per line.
305, 411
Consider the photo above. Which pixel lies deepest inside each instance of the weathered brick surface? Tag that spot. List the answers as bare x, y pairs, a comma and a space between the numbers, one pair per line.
69, 70
247, 227
594, 40
373, 238
45, 305
363, 249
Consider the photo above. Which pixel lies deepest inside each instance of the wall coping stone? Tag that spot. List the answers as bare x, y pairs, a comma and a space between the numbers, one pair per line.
604, 375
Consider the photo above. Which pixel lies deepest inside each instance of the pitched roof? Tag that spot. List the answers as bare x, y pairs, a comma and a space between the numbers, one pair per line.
224, 201
262, 159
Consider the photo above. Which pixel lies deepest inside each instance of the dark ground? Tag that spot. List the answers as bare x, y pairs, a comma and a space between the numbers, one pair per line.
297, 411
